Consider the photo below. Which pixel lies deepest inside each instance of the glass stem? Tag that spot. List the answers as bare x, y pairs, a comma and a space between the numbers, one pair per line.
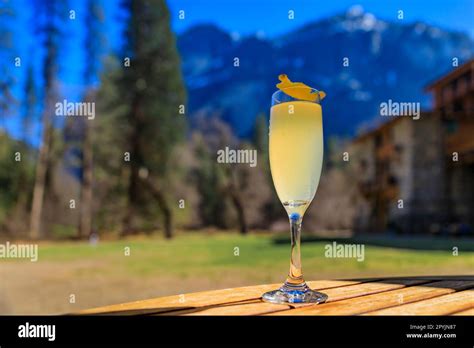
295, 276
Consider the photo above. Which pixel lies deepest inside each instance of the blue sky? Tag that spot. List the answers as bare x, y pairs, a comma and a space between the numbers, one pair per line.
270, 16
71, 56
243, 17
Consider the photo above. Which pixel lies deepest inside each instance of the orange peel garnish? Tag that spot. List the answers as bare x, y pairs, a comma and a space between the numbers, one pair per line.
303, 92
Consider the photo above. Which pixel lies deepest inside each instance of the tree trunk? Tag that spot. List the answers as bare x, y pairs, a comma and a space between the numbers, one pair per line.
40, 179
85, 222
135, 153
239, 207
167, 217
164, 207
132, 193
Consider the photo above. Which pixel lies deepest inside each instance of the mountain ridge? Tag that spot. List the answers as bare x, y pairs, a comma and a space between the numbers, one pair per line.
387, 60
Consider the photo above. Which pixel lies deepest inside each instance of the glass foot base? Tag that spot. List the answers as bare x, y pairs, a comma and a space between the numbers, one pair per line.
294, 294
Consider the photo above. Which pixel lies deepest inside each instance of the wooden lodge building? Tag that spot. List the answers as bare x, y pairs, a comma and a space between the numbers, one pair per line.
417, 176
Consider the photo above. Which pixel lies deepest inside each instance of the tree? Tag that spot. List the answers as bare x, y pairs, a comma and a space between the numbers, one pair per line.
209, 176
334, 206
28, 117
234, 185
231, 193
29, 103
6, 78
92, 47
16, 177
49, 15
144, 96
15, 155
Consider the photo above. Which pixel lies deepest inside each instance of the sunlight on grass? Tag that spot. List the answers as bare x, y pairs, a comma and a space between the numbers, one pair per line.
102, 274
208, 255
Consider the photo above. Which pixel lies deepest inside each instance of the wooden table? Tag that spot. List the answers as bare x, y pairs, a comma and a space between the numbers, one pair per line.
386, 296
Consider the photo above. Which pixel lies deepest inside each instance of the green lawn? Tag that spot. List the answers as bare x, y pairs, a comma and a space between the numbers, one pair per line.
103, 274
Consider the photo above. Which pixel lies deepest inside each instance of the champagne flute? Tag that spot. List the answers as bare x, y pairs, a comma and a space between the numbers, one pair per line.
296, 157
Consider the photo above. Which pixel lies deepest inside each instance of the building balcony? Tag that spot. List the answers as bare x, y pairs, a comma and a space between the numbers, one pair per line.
462, 140
385, 151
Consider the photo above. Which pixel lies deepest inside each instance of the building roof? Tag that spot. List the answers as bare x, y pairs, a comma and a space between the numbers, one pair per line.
452, 75
443, 80
377, 129
386, 125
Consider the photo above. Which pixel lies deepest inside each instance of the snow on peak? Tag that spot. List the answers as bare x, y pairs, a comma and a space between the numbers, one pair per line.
355, 11
368, 21
356, 19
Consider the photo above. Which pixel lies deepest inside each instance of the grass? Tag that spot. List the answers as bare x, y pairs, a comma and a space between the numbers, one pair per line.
102, 274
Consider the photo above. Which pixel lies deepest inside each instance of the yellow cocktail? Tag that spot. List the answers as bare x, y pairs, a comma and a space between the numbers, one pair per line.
296, 152
296, 158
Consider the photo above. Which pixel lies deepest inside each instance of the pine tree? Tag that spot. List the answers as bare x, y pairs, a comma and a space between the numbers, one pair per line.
28, 118
49, 15
209, 178
92, 47
144, 97
29, 104
15, 159
6, 43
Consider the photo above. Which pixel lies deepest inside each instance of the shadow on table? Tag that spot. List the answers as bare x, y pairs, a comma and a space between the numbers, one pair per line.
457, 283
172, 310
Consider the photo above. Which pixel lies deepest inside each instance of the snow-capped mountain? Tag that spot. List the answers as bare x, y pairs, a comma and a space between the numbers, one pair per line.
386, 60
